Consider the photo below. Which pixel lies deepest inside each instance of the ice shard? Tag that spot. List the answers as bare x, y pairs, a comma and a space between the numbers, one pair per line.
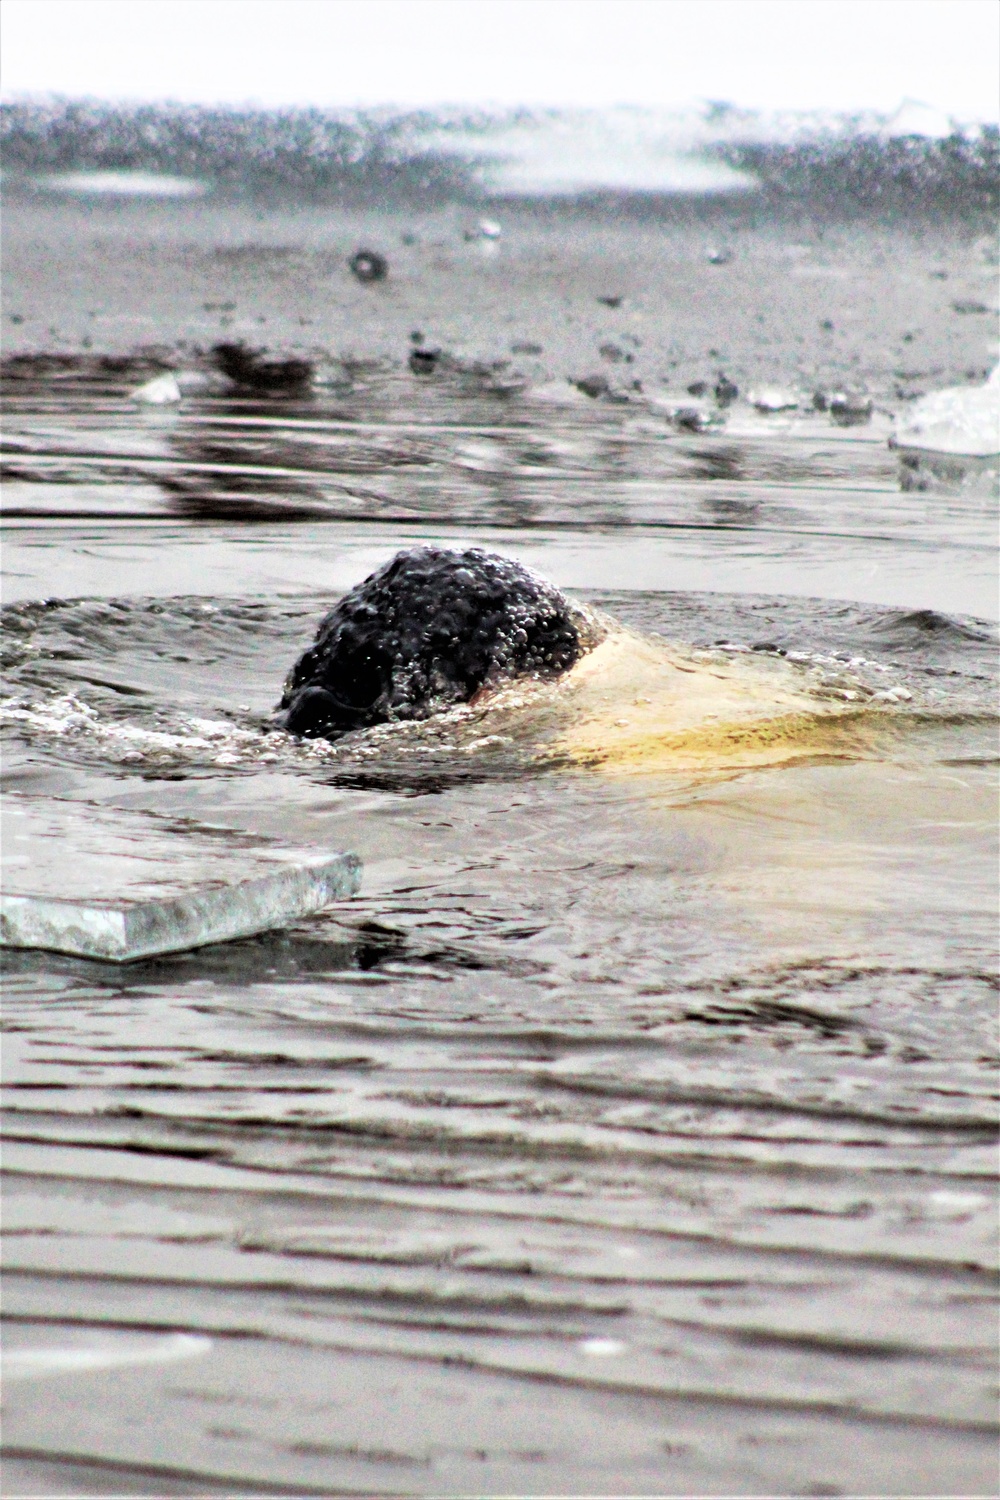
104, 884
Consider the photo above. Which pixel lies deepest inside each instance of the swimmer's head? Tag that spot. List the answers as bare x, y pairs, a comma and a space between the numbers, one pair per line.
429, 630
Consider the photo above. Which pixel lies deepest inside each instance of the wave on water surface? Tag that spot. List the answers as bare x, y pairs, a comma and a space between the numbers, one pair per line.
137, 683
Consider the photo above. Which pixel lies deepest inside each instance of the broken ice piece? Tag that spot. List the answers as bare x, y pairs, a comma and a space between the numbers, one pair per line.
162, 390
771, 398
104, 884
959, 420
850, 408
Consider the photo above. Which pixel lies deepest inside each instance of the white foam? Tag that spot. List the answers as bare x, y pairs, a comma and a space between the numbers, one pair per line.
226, 744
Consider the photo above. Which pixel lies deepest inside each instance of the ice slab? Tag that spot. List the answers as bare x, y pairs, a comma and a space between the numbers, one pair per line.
105, 884
963, 421
163, 390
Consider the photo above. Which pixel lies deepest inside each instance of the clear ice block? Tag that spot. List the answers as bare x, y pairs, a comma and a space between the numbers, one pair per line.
105, 884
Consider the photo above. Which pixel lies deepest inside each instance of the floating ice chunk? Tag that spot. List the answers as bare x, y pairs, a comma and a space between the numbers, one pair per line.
557, 393
686, 415
601, 1348
946, 1205
143, 929
961, 420
726, 391
485, 229
916, 120
105, 884
199, 382
772, 398
123, 184
695, 419
163, 390
849, 408
31, 1364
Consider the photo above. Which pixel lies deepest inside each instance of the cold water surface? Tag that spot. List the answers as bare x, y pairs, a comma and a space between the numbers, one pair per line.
633, 1131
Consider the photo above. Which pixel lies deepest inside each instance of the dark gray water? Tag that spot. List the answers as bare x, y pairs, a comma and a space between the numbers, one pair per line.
634, 1130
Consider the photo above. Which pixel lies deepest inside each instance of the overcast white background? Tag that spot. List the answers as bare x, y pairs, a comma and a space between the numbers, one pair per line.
770, 54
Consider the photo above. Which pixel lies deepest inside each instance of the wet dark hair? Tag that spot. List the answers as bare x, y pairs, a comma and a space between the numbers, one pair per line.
427, 631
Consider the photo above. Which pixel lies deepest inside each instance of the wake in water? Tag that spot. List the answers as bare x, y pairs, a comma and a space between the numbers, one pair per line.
683, 685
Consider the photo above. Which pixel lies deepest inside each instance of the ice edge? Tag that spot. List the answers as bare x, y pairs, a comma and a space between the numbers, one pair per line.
145, 929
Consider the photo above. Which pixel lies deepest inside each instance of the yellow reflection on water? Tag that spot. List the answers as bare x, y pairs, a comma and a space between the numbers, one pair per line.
637, 706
